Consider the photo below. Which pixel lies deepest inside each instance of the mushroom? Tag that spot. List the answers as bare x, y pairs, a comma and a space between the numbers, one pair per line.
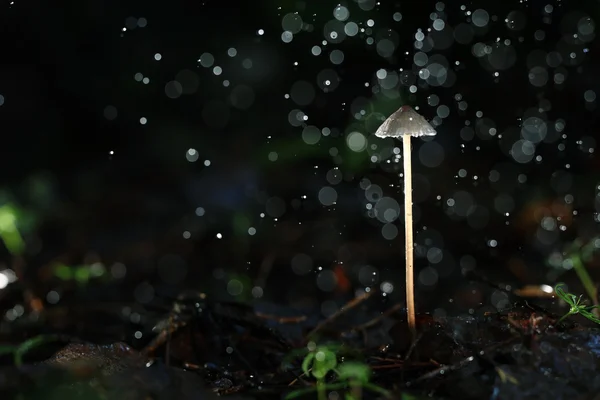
406, 122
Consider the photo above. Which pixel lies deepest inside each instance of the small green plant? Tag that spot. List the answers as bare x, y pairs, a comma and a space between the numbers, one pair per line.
576, 255
19, 351
9, 231
357, 375
320, 361
575, 304
81, 274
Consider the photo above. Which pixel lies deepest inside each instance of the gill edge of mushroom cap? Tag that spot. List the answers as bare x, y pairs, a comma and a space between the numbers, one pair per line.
405, 121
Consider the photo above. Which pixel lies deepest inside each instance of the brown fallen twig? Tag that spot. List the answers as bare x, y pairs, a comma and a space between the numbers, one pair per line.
401, 365
282, 320
349, 306
299, 378
162, 337
456, 366
441, 370
413, 346
376, 320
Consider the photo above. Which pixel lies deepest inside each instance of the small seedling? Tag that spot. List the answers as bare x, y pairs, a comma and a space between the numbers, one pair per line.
320, 361
357, 376
81, 274
9, 232
575, 304
579, 254
14, 220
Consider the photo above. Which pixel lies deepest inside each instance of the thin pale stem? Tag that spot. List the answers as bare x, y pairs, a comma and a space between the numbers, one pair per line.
408, 234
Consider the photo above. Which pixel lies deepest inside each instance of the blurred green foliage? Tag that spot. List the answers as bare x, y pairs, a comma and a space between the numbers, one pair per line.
81, 274
19, 351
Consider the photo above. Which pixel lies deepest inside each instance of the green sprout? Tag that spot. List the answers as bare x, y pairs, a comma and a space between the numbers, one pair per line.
357, 376
81, 274
320, 361
9, 232
579, 254
20, 350
575, 303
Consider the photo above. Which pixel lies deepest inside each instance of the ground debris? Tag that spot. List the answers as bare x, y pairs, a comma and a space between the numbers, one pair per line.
90, 371
237, 350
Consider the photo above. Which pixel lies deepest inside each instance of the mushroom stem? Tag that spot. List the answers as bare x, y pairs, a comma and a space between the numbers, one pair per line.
408, 234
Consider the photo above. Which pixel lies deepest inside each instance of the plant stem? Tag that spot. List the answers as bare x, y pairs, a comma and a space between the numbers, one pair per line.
408, 234
564, 316
585, 278
321, 390
355, 391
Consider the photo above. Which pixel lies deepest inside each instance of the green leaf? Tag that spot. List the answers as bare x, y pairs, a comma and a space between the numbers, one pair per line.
567, 297
325, 361
7, 349
307, 363
63, 272
30, 344
378, 389
575, 305
354, 371
82, 274
9, 233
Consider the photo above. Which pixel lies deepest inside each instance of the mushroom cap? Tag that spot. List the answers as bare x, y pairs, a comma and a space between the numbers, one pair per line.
405, 121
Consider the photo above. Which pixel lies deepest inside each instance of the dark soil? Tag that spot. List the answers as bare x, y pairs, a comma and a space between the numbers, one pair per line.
203, 349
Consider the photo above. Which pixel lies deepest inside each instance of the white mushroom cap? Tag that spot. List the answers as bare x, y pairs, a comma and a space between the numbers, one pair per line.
405, 121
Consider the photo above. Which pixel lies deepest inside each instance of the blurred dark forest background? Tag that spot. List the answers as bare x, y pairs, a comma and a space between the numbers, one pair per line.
228, 147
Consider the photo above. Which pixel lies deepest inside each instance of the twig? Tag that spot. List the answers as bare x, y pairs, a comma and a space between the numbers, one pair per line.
282, 320
462, 363
412, 347
376, 320
162, 337
441, 370
299, 378
349, 306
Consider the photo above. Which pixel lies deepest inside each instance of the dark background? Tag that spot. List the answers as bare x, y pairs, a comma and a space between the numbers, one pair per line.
105, 188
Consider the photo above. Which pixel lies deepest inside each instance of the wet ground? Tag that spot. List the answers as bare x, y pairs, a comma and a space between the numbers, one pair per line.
202, 349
